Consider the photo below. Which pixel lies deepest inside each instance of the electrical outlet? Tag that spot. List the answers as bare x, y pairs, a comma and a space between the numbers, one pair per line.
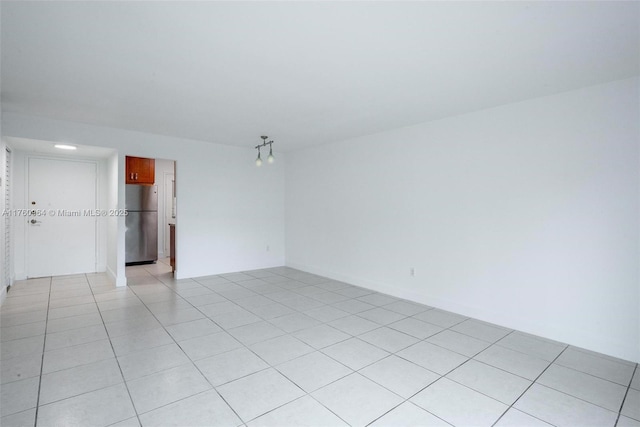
412, 272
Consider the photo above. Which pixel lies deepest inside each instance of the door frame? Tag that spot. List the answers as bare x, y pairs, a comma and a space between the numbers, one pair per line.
6, 223
95, 162
167, 190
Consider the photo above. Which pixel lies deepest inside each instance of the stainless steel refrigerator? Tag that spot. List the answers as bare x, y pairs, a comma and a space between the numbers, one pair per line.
141, 237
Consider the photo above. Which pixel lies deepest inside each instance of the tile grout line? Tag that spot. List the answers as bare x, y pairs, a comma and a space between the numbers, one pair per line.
445, 375
531, 385
577, 397
135, 410
591, 375
635, 371
408, 399
438, 379
44, 343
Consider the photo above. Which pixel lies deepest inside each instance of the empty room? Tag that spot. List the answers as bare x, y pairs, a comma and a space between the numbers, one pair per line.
320, 213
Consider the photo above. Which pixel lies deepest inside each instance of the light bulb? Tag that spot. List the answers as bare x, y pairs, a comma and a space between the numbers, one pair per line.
258, 160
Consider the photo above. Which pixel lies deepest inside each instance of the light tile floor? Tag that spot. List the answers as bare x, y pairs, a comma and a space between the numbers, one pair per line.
281, 347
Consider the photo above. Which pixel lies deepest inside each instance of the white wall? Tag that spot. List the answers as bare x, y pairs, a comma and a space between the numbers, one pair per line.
102, 225
229, 210
525, 215
112, 221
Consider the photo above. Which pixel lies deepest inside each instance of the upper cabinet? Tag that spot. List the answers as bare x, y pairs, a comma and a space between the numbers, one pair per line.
140, 170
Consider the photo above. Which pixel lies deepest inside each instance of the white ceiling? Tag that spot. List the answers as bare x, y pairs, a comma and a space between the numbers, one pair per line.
303, 73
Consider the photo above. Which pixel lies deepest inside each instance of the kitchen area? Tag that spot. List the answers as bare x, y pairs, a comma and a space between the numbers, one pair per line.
150, 200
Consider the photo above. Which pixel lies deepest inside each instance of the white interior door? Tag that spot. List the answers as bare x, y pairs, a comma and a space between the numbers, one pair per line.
62, 235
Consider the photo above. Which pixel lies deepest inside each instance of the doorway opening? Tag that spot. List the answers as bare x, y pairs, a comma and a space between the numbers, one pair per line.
62, 195
150, 228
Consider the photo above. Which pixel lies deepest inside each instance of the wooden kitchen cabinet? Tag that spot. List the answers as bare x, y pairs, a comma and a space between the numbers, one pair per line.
140, 170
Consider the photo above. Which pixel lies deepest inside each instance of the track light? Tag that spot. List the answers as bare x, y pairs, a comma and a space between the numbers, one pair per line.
270, 158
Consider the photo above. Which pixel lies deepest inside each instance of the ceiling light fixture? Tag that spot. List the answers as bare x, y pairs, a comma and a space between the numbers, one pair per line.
270, 159
65, 146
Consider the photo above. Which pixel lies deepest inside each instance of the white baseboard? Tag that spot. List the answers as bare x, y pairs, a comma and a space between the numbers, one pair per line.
121, 281
111, 274
3, 295
118, 280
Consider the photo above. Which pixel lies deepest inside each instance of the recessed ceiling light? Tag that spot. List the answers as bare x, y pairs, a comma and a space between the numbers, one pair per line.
66, 147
